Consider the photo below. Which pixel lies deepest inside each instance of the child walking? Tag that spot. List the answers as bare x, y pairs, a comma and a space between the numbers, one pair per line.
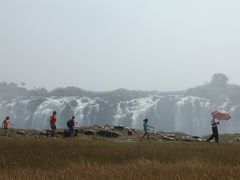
146, 128
5, 125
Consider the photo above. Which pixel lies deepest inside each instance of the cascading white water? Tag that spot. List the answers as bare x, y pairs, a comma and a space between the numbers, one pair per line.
167, 113
192, 115
136, 109
20, 111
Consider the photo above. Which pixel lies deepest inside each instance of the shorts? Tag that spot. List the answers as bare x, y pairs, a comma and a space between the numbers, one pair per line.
53, 127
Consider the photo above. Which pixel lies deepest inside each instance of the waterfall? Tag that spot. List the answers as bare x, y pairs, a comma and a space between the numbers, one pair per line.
186, 114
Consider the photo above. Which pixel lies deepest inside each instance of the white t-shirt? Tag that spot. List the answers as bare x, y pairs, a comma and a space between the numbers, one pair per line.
214, 122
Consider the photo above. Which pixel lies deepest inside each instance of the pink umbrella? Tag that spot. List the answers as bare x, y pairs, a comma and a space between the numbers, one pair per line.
221, 115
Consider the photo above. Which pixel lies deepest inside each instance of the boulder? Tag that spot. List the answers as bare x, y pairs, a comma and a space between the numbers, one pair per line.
43, 133
106, 127
60, 132
81, 131
67, 133
97, 127
171, 135
89, 132
201, 140
119, 128
192, 138
130, 132
21, 132
187, 138
169, 138
237, 139
198, 139
195, 137
49, 131
109, 134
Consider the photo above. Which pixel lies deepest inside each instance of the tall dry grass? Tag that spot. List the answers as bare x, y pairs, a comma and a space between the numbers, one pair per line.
83, 158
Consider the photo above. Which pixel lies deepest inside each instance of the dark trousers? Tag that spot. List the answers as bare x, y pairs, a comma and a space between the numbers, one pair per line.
145, 134
214, 135
53, 128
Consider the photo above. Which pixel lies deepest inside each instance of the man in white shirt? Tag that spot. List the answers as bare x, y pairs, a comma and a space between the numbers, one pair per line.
214, 130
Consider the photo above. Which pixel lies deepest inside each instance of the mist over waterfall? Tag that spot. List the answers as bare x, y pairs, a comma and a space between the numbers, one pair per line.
187, 111
167, 113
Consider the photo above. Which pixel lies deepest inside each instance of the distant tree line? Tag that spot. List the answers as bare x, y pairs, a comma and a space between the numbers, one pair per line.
12, 90
217, 89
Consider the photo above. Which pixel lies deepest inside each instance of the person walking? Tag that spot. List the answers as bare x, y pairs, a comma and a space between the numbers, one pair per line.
5, 125
70, 125
215, 124
146, 128
53, 120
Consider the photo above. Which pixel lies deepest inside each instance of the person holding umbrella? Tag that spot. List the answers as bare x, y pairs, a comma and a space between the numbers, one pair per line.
217, 115
214, 130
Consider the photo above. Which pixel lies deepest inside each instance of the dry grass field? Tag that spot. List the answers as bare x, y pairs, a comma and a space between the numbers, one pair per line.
29, 158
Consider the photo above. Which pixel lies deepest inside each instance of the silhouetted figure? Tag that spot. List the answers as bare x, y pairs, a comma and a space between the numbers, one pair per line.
214, 130
146, 128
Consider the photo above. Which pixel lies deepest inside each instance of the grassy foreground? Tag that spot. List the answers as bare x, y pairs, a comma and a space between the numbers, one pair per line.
90, 158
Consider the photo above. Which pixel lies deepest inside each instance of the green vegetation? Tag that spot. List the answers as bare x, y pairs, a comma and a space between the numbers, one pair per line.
98, 158
217, 90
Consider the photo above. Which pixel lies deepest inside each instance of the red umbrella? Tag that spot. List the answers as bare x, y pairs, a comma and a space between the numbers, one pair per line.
221, 115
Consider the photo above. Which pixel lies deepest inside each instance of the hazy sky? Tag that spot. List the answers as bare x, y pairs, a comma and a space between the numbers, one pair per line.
108, 44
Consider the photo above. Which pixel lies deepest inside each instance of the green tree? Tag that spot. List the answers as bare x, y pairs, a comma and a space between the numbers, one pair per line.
219, 80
